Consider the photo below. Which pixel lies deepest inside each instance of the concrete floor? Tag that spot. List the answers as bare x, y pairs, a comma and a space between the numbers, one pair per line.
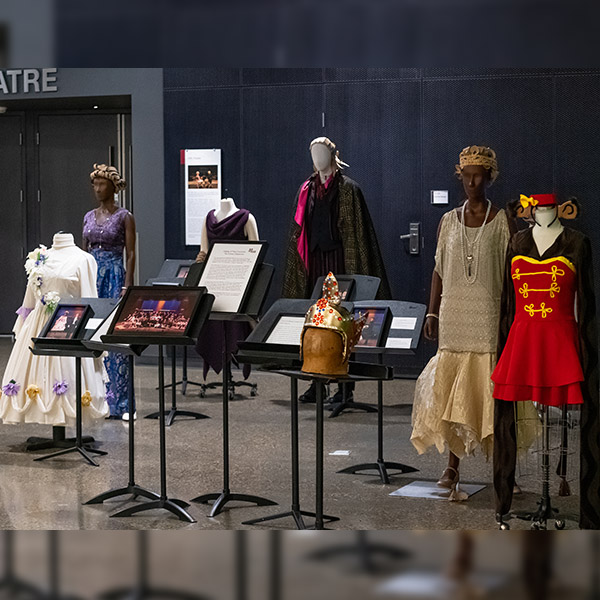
49, 494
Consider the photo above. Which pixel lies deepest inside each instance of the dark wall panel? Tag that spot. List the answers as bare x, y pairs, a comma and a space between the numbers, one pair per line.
192, 78
278, 126
376, 129
198, 119
281, 76
578, 154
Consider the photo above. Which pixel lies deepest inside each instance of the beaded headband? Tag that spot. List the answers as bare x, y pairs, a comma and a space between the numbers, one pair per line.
481, 156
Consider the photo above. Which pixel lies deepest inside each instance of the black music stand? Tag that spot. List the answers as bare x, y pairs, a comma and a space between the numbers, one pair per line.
59, 440
357, 372
251, 307
142, 588
131, 488
402, 310
203, 307
46, 346
174, 411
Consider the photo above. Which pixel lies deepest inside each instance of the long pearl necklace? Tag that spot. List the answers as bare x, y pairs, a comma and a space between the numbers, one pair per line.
470, 250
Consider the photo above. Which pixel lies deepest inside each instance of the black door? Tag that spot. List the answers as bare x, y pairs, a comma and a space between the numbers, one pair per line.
12, 240
69, 145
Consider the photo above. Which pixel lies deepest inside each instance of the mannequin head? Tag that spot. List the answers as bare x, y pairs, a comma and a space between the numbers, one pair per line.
475, 180
106, 182
477, 169
325, 157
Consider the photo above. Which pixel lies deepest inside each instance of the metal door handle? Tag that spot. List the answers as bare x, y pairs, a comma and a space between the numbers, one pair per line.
414, 237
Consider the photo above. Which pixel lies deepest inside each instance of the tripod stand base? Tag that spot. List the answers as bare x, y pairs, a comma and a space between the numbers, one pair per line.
539, 519
141, 593
174, 506
219, 500
12, 587
295, 514
338, 407
134, 490
365, 552
83, 450
35, 444
381, 467
177, 412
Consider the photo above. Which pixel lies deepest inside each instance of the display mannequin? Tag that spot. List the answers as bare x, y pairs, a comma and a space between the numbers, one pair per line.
331, 231
227, 208
453, 407
41, 389
548, 345
228, 223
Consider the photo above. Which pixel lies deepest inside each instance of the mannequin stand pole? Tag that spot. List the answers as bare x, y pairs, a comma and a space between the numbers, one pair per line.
143, 589
545, 512
79, 446
219, 500
177, 507
174, 411
131, 488
381, 465
296, 512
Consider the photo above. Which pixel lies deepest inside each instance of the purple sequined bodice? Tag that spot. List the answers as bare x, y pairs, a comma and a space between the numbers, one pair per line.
109, 235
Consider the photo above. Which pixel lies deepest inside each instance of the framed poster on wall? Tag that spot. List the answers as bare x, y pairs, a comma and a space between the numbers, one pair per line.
202, 179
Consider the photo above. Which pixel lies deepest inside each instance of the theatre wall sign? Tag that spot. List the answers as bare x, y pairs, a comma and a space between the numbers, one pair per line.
28, 81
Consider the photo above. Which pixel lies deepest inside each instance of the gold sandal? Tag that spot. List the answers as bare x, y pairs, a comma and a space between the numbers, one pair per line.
449, 480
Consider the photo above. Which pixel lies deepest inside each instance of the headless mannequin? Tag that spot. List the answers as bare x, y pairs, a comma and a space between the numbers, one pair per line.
62, 240
545, 231
227, 208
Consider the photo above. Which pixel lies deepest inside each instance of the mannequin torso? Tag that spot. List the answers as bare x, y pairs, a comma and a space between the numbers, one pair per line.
227, 208
545, 231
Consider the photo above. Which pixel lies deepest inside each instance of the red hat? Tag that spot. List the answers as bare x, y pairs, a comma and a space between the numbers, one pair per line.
539, 200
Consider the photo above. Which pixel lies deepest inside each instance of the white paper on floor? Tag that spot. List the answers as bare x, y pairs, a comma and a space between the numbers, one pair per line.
340, 453
429, 489
433, 585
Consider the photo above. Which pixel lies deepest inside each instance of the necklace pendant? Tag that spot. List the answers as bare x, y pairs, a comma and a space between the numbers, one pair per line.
469, 269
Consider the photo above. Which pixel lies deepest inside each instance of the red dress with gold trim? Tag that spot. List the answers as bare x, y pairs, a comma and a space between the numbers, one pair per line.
541, 359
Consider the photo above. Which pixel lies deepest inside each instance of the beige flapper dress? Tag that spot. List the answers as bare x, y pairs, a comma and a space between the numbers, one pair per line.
453, 404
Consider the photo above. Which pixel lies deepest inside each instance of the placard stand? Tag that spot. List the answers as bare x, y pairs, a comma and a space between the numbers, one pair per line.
357, 372
255, 296
174, 411
173, 505
399, 309
131, 488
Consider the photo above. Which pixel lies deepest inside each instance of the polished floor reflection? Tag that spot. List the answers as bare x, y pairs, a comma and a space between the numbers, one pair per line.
50, 494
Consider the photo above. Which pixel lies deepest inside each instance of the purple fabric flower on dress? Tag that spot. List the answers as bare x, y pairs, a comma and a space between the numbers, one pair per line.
11, 388
110, 397
24, 312
60, 387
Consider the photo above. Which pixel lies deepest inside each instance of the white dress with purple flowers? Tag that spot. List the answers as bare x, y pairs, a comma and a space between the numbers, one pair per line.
41, 389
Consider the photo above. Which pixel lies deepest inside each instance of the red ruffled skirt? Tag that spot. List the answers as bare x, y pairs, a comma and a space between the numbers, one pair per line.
540, 362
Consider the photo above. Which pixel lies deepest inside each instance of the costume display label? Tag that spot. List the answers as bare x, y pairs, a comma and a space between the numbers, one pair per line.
93, 323
397, 342
406, 323
287, 330
227, 273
